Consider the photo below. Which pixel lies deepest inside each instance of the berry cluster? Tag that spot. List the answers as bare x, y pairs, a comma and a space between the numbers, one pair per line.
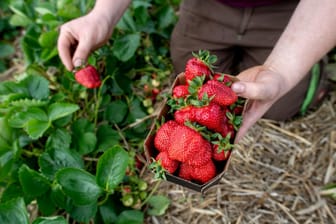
197, 136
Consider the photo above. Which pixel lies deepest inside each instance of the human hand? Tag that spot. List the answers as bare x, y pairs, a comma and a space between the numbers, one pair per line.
79, 37
262, 87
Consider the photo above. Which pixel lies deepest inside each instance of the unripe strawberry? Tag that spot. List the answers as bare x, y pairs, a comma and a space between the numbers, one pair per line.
88, 77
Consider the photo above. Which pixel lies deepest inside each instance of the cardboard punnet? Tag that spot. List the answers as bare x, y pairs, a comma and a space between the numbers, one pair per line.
151, 152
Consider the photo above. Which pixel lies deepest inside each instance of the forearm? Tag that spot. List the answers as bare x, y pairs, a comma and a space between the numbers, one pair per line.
111, 10
309, 35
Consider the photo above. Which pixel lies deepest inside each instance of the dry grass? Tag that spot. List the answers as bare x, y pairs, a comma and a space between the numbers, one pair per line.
276, 175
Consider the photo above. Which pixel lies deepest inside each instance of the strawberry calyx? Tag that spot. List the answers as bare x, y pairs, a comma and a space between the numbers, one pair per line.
223, 143
157, 169
207, 58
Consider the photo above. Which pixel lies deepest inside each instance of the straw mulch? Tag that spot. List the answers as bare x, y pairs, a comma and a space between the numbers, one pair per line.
276, 175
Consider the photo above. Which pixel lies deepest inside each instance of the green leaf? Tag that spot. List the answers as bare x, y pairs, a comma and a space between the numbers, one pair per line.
124, 47
69, 11
158, 205
166, 17
50, 220
14, 212
59, 138
45, 204
20, 119
79, 185
108, 212
111, 168
48, 39
83, 214
59, 110
107, 137
55, 159
84, 138
127, 23
36, 128
116, 111
32, 182
19, 20
6, 50
130, 217
38, 86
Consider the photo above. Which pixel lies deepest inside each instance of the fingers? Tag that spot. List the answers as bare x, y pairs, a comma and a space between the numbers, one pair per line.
64, 43
253, 90
73, 51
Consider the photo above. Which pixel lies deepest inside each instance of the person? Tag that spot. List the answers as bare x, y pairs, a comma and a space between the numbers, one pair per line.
271, 45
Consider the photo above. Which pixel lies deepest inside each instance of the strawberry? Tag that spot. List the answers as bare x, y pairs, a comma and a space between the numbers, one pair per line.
200, 64
222, 94
185, 171
201, 157
224, 78
204, 173
163, 135
167, 163
180, 91
211, 116
88, 77
220, 154
196, 67
185, 143
184, 114
201, 174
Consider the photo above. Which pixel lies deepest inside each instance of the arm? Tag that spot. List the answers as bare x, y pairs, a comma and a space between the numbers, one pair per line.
307, 38
79, 37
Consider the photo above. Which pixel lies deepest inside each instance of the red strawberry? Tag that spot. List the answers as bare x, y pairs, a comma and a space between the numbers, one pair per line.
88, 77
201, 174
180, 91
163, 135
167, 163
224, 78
185, 143
204, 173
201, 157
185, 171
220, 154
196, 67
184, 114
227, 129
211, 116
222, 94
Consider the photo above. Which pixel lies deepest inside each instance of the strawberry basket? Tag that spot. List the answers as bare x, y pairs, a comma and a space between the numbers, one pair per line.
193, 134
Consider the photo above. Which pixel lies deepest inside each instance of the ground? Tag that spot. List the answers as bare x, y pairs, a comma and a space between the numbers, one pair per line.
276, 175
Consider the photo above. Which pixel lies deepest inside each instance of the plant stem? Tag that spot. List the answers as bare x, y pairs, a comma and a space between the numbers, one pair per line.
151, 193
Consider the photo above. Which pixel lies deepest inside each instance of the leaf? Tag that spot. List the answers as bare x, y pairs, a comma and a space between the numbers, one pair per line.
21, 118
32, 182
50, 220
83, 214
6, 49
37, 86
48, 39
45, 204
79, 185
130, 217
124, 47
111, 168
127, 23
59, 138
14, 211
107, 137
55, 159
158, 205
166, 17
58, 110
108, 212
36, 128
116, 111
83, 136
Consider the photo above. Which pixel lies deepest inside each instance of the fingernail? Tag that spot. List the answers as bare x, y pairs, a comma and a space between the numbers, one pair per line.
78, 62
238, 87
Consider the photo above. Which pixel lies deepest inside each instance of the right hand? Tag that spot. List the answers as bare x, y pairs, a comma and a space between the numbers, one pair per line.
79, 37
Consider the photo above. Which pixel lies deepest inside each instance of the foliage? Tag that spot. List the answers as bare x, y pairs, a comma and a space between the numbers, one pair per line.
74, 151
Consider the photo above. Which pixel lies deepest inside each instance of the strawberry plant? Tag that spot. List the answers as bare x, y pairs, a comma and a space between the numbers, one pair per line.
75, 153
